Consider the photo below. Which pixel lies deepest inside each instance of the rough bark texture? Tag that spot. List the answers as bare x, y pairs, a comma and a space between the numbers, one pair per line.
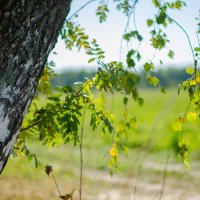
28, 32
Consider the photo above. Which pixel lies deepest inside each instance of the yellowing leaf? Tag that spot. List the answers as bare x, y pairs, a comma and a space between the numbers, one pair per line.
197, 49
177, 126
190, 70
197, 79
184, 153
187, 162
118, 129
153, 80
181, 119
133, 123
193, 82
113, 151
192, 116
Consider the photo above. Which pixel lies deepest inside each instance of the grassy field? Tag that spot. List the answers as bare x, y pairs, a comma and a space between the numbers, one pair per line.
151, 145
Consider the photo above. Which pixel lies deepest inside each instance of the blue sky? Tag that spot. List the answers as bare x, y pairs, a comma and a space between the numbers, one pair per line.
109, 35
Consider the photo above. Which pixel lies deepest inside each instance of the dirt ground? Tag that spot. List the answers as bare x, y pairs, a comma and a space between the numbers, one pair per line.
180, 184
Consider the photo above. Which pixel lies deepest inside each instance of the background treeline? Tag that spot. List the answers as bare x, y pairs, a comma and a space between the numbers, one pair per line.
169, 77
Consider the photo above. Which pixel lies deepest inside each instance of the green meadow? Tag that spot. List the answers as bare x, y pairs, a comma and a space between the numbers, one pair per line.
152, 162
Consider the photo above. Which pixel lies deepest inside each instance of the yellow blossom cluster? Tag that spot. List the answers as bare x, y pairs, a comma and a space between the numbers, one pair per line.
113, 151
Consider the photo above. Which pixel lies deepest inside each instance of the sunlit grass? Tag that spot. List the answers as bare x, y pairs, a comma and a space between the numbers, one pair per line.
149, 145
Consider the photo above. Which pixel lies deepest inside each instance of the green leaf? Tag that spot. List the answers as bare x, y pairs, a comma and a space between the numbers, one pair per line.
91, 60
140, 101
129, 60
101, 12
195, 62
159, 41
133, 34
131, 53
125, 100
153, 80
149, 22
197, 49
100, 52
161, 18
156, 3
163, 90
148, 66
54, 98
171, 54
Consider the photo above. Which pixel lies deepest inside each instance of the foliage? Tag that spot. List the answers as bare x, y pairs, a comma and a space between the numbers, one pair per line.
58, 121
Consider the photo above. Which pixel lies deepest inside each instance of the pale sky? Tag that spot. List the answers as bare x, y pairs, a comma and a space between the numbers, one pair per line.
109, 34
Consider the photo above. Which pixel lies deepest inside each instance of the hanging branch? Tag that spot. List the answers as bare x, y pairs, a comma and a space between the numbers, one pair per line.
30, 126
82, 7
198, 31
49, 170
127, 24
184, 31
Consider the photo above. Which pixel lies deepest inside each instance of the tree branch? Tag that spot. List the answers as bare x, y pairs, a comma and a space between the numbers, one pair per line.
186, 34
30, 126
127, 24
82, 7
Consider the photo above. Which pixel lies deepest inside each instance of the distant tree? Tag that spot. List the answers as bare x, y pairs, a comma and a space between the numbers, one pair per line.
70, 77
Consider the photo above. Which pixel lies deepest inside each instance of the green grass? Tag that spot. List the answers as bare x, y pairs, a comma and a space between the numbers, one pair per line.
148, 145
153, 133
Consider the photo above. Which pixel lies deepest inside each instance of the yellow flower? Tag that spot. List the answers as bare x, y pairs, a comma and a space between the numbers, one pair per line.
192, 116
113, 151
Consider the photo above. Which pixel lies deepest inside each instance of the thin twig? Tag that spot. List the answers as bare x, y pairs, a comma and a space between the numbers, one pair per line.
137, 180
134, 15
185, 113
184, 31
81, 155
82, 7
126, 27
30, 126
164, 177
198, 31
56, 184
198, 38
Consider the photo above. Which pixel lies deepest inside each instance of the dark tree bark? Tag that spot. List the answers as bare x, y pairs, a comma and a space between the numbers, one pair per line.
28, 32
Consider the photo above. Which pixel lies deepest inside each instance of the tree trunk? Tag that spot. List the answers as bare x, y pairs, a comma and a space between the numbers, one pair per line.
28, 32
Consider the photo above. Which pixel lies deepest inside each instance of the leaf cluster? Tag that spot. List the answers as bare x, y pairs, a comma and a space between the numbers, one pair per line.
58, 121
